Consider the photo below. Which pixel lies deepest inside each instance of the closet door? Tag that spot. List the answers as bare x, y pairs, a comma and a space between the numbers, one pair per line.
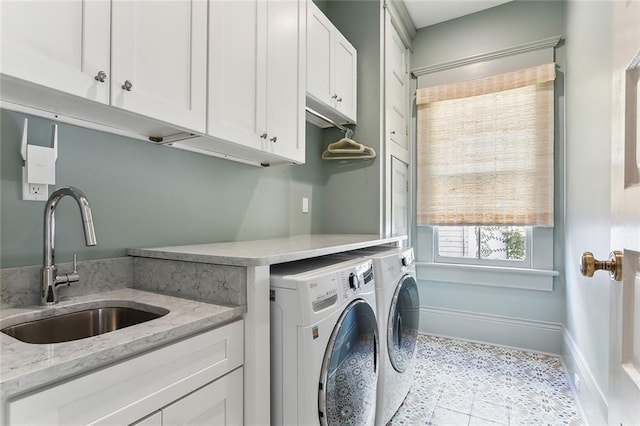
397, 105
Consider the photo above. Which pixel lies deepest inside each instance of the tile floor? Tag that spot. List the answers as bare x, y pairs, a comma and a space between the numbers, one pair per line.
463, 383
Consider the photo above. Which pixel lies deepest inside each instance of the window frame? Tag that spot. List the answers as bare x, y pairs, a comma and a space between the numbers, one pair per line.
523, 264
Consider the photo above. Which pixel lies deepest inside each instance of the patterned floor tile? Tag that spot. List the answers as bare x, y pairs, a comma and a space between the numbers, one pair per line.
444, 417
458, 383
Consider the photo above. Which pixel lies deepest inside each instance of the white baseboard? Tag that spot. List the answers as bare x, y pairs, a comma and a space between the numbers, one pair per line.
538, 336
590, 397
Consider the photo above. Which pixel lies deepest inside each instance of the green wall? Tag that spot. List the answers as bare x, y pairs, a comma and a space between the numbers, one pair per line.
143, 195
353, 188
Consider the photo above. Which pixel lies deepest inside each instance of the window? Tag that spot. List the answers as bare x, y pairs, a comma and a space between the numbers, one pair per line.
485, 166
485, 151
487, 245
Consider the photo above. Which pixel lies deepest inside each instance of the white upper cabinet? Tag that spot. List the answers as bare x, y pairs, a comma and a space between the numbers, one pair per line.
158, 63
256, 81
331, 69
61, 45
144, 57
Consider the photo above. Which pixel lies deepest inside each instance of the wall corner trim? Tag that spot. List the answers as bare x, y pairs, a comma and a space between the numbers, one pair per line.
482, 57
591, 399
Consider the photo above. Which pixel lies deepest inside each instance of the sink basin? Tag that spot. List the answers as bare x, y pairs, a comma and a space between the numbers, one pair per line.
81, 324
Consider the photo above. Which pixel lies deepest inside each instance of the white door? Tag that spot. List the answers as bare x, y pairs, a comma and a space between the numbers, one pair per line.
159, 60
320, 58
218, 403
62, 45
235, 47
286, 77
396, 83
624, 358
399, 197
346, 64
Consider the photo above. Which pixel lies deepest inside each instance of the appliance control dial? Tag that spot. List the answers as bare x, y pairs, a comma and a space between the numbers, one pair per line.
354, 282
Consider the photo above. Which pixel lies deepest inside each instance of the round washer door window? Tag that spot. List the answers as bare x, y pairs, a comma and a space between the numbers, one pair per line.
349, 375
402, 329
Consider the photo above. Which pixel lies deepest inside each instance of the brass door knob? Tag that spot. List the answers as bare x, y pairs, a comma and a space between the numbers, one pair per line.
589, 265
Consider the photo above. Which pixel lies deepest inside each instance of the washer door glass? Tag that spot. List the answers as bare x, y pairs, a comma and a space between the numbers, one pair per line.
347, 390
404, 317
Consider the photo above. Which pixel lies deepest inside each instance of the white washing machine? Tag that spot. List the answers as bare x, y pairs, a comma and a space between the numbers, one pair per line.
324, 343
398, 312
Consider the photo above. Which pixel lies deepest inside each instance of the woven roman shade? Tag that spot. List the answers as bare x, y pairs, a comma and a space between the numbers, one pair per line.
485, 150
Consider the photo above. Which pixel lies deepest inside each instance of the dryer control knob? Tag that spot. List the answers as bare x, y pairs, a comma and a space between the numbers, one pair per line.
354, 283
405, 262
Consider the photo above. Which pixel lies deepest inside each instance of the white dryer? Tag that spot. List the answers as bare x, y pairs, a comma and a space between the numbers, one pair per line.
324, 343
398, 312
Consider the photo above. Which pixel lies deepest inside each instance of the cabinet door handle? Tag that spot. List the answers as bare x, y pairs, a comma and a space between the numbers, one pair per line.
335, 96
264, 135
101, 76
127, 85
274, 139
393, 132
339, 99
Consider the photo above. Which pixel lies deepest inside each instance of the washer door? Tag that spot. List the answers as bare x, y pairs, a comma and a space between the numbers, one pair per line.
349, 375
402, 329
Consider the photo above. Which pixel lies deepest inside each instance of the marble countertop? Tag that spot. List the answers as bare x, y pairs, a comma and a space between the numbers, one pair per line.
27, 366
266, 252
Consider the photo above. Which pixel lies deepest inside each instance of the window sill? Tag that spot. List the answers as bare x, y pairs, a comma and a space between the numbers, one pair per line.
495, 276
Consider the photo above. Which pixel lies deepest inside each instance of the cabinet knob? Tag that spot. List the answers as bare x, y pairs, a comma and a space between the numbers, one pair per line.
264, 135
101, 76
335, 96
589, 264
339, 99
274, 139
393, 132
127, 85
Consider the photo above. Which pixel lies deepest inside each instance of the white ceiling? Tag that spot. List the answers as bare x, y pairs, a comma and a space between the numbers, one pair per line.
429, 12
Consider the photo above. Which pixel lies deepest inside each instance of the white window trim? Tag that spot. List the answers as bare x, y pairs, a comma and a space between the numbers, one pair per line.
539, 276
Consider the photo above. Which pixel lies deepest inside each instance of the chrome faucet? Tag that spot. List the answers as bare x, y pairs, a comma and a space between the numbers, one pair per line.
50, 278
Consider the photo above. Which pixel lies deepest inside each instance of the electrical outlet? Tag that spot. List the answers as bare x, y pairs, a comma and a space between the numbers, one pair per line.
305, 205
33, 191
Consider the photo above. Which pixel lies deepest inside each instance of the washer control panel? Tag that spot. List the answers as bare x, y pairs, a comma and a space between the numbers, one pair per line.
356, 279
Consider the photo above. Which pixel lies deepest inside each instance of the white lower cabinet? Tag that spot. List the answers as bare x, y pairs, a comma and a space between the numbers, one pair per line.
218, 403
197, 380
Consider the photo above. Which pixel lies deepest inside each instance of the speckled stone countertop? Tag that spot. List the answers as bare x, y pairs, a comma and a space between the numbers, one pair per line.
27, 366
266, 252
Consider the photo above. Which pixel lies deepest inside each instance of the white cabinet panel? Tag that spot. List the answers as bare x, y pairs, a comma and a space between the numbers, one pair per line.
256, 81
160, 49
396, 103
62, 45
319, 56
331, 69
399, 197
132, 389
218, 403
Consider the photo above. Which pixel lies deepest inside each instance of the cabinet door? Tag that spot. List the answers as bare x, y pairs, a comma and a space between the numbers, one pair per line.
160, 49
61, 45
319, 54
218, 403
234, 91
345, 78
285, 77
